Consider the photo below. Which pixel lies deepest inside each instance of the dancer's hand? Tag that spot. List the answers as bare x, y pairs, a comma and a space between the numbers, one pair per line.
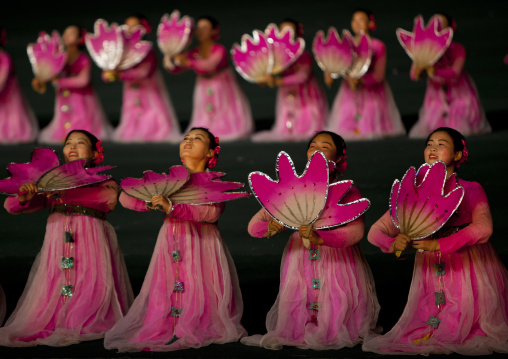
426, 245
161, 202
328, 79
313, 237
26, 192
274, 227
400, 243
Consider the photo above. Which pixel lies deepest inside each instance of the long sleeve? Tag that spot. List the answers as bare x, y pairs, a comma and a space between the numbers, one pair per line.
344, 236
5, 69
132, 203
208, 213
456, 55
141, 71
82, 79
258, 225
37, 203
377, 75
209, 65
302, 70
480, 229
383, 233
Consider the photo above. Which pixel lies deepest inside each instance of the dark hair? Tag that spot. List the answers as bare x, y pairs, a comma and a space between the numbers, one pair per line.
365, 11
448, 18
210, 19
93, 141
213, 142
298, 26
458, 139
81, 35
143, 21
340, 144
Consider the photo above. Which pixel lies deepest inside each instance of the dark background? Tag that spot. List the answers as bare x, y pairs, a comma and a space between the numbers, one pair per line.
373, 165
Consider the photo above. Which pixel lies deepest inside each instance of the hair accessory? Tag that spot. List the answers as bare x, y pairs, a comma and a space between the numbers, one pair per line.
100, 153
212, 162
465, 154
217, 140
146, 25
342, 165
372, 21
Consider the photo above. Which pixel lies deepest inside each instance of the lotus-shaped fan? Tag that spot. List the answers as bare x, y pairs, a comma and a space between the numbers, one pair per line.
425, 45
308, 199
284, 47
362, 54
106, 45
43, 159
134, 49
47, 56
253, 59
174, 34
423, 201
333, 54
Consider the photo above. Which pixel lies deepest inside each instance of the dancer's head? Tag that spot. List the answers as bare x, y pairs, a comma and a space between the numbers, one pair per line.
447, 145
81, 144
207, 28
333, 147
199, 149
74, 35
362, 21
446, 20
135, 20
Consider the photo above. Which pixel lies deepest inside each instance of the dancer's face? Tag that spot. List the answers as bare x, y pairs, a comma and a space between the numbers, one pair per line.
287, 25
71, 36
131, 23
360, 23
440, 148
195, 146
78, 146
205, 30
324, 143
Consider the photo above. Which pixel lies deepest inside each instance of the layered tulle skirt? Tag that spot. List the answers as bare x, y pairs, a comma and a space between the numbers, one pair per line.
369, 112
221, 106
190, 296
454, 105
472, 318
77, 289
336, 281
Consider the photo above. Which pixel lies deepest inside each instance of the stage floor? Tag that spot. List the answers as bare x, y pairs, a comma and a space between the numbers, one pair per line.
372, 165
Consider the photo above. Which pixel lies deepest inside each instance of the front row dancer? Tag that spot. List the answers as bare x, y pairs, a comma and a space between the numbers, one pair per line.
325, 301
78, 286
458, 270
190, 297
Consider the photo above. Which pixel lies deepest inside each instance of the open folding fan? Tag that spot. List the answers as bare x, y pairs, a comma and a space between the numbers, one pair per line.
286, 49
425, 45
333, 54
112, 48
174, 34
47, 56
424, 201
308, 199
253, 59
362, 54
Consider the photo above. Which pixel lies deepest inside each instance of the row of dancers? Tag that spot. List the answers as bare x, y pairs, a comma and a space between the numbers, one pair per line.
79, 289
363, 108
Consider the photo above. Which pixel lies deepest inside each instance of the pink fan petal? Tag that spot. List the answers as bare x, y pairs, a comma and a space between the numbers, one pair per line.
333, 55
285, 48
393, 202
154, 183
206, 188
362, 54
174, 34
43, 159
336, 212
70, 175
135, 49
106, 45
425, 45
253, 59
424, 209
47, 56
293, 200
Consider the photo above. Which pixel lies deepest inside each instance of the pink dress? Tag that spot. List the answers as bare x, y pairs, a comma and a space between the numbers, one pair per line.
451, 98
368, 112
301, 107
147, 112
327, 298
78, 285
219, 103
190, 297
17, 121
464, 286
77, 106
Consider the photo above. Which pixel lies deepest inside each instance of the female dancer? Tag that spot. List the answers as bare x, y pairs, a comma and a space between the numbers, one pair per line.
17, 121
78, 285
458, 297
451, 98
364, 108
147, 112
219, 103
301, 103
77, 104
327, 298
190, 297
